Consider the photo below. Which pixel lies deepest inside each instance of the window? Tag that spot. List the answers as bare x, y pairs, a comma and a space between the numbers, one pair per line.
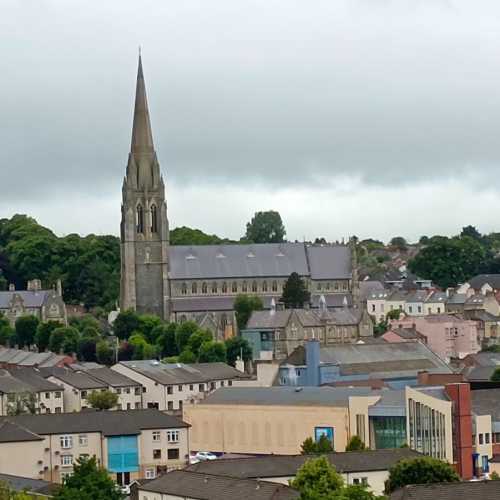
194, 287
275, 286
318, 286
83, 394
214, 287
360, 480
173, 436
64, 475
179, 388
234, 287
410, 309
222, 383
150, 473
439, 310
419, 309
201, 387
156, 454
224, 287
137, 391
140, 219
127, 390
170, 405
254, 286
204, 288
496, 437
66, 441
58, 409
83, 440
373, 308
47, 395
173, 453
264, 286
229, 382
137, 406
129, 406
244, 287
191, 387
66, 460
487, 438
184, 289
170, 389
118, 391
58, 395
84, 455
481, 439
154, 219
156, 435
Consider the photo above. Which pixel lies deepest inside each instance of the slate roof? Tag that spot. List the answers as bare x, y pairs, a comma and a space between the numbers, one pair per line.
111, 377
478, 490
10, 432
27, 358
286, 465
417, 296
33, 379
436, 296
80, 380
187, 484
478, 281
286, 396
110, 423
329, 262
457, 298
486, 402
369, 287
180, 373
30, 298
18, 483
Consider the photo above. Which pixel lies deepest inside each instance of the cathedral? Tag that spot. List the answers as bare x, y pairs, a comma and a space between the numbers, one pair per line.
200, 283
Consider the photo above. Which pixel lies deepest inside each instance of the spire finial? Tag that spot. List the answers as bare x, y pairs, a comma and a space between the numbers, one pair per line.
139, 50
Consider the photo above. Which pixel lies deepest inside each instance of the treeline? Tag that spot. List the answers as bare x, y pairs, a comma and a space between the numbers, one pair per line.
133, 337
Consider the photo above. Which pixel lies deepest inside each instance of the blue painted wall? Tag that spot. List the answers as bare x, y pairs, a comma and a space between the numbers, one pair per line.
123, 454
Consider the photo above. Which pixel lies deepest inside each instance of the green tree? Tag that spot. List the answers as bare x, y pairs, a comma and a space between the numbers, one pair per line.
197, 339
495, 376
22, 403
7, 333
26, 329
103, 400
183, 333
394, 314
312, 447
295, 293
187, 356
212, 352
244, 306
471, 232
165, 340
399, 243
104, 353
266, 227
7, 493
188, 236
3, 282
422, 470
142, 349
43, 333
235, 348
125, 323
87, 348
380, 328
147, 325
84, 323
494, 476
355, 444
88, 482
63, 338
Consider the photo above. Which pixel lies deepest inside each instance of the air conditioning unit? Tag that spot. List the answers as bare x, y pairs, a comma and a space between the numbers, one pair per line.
47, 449
40, 462
46, 467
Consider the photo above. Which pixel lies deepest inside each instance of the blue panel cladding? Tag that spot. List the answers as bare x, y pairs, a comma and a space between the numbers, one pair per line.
312, 362
123, 455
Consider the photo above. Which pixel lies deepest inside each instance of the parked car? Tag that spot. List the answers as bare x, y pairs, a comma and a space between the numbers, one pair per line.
205, 455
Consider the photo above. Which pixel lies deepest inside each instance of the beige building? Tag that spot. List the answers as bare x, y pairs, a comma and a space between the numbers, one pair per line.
169, 387
131, 444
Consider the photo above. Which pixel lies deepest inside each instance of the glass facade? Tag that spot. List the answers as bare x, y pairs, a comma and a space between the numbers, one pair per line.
389, 432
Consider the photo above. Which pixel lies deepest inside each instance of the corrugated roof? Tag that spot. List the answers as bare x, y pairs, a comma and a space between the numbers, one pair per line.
111, 377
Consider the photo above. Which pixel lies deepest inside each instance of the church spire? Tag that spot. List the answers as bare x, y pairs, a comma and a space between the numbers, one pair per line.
142, 137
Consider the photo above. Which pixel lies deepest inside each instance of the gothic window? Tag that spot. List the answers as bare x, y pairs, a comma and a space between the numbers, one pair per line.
140, 219
336, 286
264, 286
223, 321
275, 286
204, 288
224, 287
214, 287
328, 285
318, 286
234, 287
184, 289
183, 318
154, 219
244, 286
254, 286
194, 287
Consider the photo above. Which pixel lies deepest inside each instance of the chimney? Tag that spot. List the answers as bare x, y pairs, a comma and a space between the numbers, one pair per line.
312, 362
59, 288
12, 287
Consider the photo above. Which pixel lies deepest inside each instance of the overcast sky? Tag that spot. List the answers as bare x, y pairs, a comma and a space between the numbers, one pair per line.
367, 117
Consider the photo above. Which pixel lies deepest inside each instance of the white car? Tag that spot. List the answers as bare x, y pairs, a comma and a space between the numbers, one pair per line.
205, 455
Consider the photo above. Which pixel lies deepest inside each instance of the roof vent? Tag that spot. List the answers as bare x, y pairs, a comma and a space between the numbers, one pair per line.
298, 389
190, 256
250, 255
154, 362
220, 255
280, 254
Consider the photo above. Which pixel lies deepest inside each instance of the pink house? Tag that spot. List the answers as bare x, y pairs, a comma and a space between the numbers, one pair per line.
447, 335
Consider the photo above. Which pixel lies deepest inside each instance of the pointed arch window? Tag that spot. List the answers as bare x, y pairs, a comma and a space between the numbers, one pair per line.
204, 288
184, 290
224, 287
254, 286
244, 287
275, 286
234, 287
194, 287
214, 287
140, 219
264, 286
154, 219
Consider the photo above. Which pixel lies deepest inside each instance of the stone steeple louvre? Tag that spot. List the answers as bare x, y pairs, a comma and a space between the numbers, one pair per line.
142, 137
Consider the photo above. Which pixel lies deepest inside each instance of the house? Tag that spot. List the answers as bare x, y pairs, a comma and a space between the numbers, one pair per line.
480, 490
130, 444
188, 485
35, 487
356, 467
169, 386
397, 364
479, 367
46, 305
10, 358
17, 384
414, 303
400, 333
435, 303
275, 334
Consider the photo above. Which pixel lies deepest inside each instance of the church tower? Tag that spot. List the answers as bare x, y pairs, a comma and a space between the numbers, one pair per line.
144, 283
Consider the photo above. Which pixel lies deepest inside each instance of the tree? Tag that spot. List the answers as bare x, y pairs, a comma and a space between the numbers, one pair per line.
471, 232
103, 400
422, 470
243, 306
165, 339
183, 333
187, 356
147, 325
142, 349
43, 333
380, 328
266, 227
400, 243
7, 333
22, 403
26, 329
317, 479
87, 349
311, 447
197, 339
212, 352
104, 353
188, 236
88, 482
495, 376
236, 347
125, 323
394, 314
295, 293
355, 444
125, 351
63, 338
7, 493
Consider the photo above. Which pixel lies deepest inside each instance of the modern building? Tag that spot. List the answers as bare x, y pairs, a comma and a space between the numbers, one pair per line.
44, 304
130, 444
188, 485
397, 364
370, 467
275, 334
169, 387
201, 282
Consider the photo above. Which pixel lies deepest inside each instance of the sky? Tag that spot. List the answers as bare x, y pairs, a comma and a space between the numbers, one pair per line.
372, 118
